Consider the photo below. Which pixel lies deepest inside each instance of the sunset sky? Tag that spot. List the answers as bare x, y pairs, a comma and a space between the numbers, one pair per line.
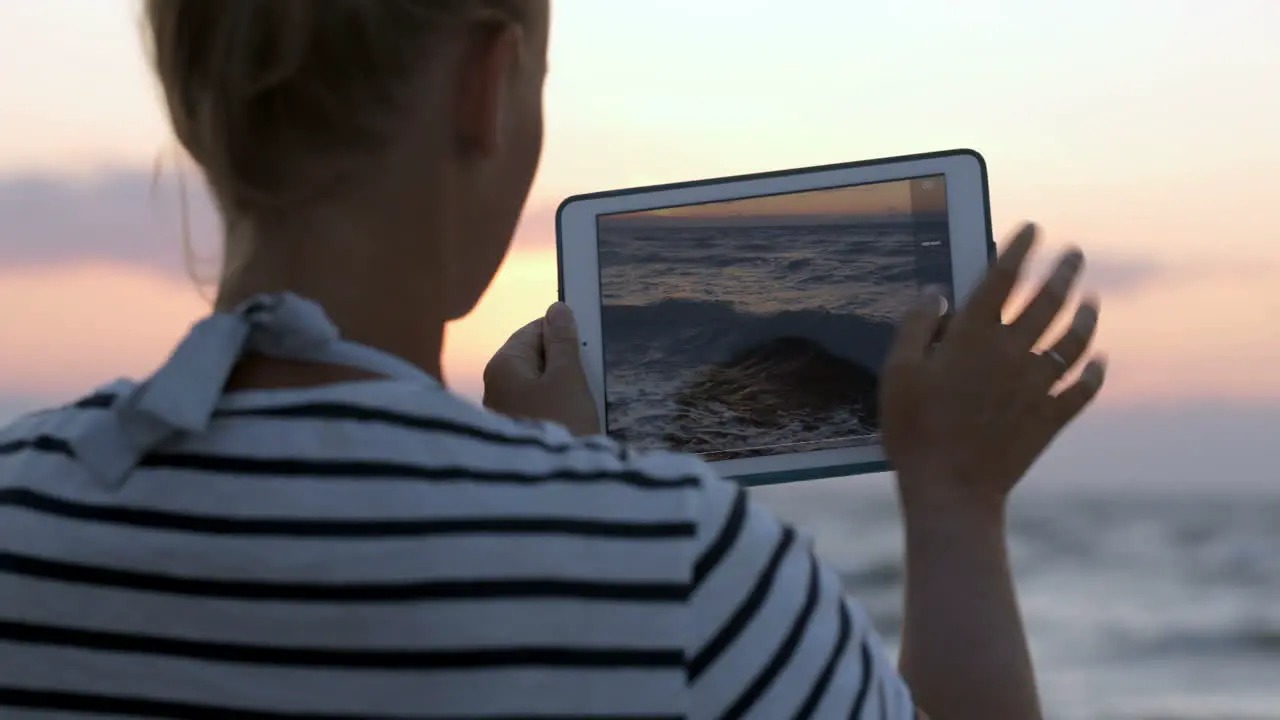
1144, 130
871, 198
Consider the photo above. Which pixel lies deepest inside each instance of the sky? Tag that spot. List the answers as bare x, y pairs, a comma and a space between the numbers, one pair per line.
873, 198
1144, 130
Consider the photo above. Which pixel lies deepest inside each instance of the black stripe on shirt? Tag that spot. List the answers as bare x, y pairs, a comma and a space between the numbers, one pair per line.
782, 655
96, 401
39, 443
380, 470
321, 469
350, 412
334, 411
746, 611
381, 659
386, 592
98, 705
868, 677
820, 685
353, 528
725, 540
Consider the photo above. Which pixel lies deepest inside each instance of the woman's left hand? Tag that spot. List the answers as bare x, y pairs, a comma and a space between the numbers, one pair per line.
538, 374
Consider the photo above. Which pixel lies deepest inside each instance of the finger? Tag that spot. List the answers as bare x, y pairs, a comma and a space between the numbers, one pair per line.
919, 330
560, 339
1049, 300
519, 358
944, 323
1066, 405
1075, 341
988, 299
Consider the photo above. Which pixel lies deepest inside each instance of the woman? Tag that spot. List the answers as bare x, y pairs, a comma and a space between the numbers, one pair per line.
293, 518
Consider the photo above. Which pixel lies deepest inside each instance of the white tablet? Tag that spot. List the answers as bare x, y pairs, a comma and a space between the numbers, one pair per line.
746, 319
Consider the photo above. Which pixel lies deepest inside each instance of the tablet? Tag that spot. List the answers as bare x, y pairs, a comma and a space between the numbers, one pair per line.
746, 319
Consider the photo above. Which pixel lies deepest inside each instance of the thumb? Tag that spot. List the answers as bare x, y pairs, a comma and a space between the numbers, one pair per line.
560, 340
519, 358
918, 330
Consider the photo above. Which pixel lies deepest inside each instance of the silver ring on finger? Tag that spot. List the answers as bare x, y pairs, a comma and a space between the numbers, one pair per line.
1065, 353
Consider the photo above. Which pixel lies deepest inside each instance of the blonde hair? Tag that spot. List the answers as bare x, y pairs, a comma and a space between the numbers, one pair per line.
272, 98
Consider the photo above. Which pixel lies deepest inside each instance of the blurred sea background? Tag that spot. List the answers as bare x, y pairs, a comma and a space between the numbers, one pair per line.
1141, 605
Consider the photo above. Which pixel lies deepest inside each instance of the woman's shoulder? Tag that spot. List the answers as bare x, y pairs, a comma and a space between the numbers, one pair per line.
51, 428
424, 424
463, 454
416, 419
388, 432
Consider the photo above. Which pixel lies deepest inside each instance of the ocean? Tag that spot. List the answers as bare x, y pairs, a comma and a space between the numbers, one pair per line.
1138, 606
732, 337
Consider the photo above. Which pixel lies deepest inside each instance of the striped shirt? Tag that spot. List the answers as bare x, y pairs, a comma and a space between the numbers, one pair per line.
384, 549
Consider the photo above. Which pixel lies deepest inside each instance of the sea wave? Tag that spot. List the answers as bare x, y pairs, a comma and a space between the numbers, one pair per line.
740, 384
1257, 638
699, 332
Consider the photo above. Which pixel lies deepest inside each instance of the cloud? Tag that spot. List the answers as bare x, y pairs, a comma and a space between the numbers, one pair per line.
1113, 275
537, 229
122, 217
135, 217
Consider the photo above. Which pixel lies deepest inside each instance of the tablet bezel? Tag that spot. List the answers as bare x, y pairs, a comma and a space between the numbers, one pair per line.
972, 249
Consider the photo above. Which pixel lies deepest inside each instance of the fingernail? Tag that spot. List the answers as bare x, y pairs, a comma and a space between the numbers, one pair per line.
1085, 320
559, 315
1094, 373
1068, 267
937, 294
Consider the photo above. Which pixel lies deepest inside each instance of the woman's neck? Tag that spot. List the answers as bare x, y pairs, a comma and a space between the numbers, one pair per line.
375, 295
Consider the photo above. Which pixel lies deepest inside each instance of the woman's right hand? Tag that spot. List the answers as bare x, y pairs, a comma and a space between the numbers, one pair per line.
538, 375
965, 417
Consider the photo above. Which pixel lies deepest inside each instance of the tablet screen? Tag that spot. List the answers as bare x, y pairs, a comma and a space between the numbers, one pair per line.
759, 326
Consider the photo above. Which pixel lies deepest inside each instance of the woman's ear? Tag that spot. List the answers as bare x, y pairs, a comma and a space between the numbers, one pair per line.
485, 83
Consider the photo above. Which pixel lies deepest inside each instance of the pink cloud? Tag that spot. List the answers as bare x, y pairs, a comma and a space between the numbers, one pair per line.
135, 217
119, 217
